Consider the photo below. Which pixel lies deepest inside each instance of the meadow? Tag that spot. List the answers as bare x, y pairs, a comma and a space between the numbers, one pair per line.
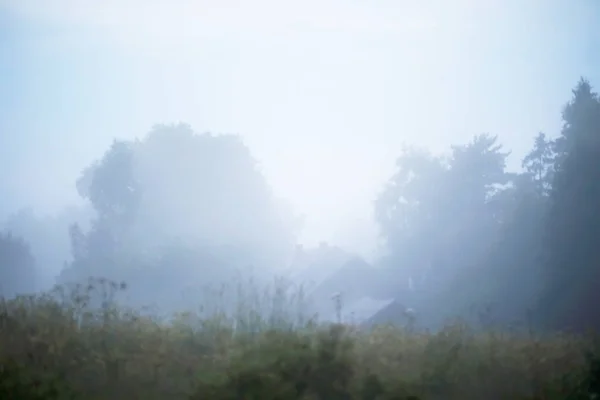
59, 345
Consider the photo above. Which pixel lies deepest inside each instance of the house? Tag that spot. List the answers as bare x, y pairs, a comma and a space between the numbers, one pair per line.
367, 295
367, 312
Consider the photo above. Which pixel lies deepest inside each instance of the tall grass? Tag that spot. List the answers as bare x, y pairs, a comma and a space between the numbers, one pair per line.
80, 342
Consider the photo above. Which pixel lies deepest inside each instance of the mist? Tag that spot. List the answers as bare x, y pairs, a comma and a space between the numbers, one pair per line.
266, 137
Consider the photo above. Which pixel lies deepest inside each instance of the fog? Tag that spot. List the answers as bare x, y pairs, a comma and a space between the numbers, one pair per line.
324, 95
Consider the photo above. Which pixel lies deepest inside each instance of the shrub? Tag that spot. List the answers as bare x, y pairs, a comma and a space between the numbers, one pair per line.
72, 346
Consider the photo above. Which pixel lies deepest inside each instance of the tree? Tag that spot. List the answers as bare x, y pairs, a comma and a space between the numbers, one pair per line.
176, 186
573, 223
513, 262
539, 164
439, 218
17, 266
111, 188
476, 177
48, 238
410, 198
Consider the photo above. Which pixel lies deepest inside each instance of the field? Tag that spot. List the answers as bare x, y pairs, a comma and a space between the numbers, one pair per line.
57, 346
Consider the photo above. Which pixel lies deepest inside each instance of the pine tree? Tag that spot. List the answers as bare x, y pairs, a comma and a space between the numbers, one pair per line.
539, 164
573, 223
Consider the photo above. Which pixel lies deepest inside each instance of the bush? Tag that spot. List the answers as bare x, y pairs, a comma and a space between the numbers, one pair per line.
73, 347
17, 383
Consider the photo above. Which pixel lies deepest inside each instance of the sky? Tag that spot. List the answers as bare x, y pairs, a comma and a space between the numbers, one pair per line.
324, 92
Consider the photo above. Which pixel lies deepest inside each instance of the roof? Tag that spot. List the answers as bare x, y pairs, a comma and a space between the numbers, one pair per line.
355, 279
315, 266
361, 310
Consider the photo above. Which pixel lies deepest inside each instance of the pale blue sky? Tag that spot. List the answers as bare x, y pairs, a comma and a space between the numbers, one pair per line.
324, 92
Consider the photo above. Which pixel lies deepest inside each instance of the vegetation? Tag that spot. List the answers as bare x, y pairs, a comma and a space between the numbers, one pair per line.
20, 277
177, 208
468, 231
57, 346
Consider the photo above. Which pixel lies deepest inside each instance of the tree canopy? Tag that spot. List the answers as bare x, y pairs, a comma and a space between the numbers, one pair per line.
464, 220
573, 224
176, 188
460, 229
17, 266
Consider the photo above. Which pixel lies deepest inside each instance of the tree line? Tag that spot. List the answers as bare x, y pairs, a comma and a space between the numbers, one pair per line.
466, 232
524, 244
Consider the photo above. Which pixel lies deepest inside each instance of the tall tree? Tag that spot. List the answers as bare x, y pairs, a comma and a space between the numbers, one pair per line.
17, 266
539, 163
513, 262
439, 218
573, 226
410, 199
111, 188
178, 188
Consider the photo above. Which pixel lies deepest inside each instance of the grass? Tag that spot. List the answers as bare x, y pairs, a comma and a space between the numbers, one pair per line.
57, 345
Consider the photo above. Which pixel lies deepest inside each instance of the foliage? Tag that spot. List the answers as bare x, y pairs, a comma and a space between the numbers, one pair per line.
17, 266
440, 217
48, 238
539, 164
177, 207
468, 231
573, 224
16, 383
78, 350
